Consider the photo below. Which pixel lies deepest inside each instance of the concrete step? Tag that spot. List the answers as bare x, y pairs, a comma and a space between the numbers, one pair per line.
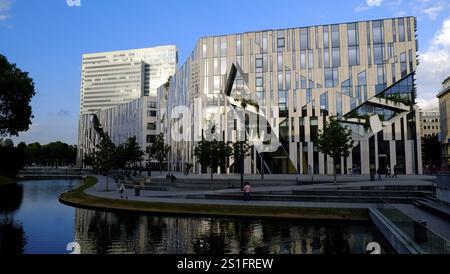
310, 198
358, 193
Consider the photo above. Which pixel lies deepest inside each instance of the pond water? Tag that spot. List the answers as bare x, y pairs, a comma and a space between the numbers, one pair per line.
33, 221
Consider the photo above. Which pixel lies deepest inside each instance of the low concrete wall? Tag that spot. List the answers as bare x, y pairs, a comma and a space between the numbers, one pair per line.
392, 234
443, 188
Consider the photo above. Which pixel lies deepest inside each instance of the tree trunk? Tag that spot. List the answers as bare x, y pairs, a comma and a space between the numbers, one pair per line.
334, 171
212, 178
107, 181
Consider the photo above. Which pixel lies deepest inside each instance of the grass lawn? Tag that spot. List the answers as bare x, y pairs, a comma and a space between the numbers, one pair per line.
79, 198
6, 180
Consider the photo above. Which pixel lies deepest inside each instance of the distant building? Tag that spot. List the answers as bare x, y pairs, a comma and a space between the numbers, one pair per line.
118, 93
430, 124
444, 108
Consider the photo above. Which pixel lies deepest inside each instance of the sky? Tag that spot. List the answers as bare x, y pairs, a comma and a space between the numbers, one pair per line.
48, 37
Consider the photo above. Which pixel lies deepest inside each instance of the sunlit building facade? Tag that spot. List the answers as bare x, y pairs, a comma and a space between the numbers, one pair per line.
444, 108
118, 91
295, 79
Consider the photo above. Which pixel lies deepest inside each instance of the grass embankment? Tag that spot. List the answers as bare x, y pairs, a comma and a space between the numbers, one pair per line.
6, 180
79, 198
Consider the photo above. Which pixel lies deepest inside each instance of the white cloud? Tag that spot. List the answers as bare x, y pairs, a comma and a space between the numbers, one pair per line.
433, 12
374, 3
434, 66
5, 5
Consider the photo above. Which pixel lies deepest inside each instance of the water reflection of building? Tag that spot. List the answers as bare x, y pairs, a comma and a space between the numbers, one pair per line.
100, 232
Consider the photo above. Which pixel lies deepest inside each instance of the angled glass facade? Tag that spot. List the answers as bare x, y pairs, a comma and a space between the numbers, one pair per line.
295, 79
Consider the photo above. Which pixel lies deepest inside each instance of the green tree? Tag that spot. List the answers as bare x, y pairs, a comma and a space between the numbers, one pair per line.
134, 153
335, 141
241, 149
212, 154
159, 150
104, 156
16, 92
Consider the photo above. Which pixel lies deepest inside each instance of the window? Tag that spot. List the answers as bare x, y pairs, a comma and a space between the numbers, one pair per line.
369, 55
223, 66
353, 56
331, 77
347, 88
303, 59
394, 73
151, 105
339, 111
304, 39
223, 47
403, 65
303, 83
259, 63
288, 80
324, 102
335, 39
411, 64
390, 50
151, 113
326, 58
310, 59
381, 75
394, 31
239, 45
378, 32
259, 81
280, 61
280, 80
265, 42
408, 28
378, 53
352, 33
308, 95
401, 30
150, 139
319, 55
151, 126
280, 41
336, 57
326, 37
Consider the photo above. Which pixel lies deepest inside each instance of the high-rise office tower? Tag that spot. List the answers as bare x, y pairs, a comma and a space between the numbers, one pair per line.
118, 92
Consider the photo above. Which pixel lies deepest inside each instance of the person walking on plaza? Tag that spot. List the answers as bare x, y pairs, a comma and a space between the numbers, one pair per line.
395, 172
379, 173
247, 191
121, 189
388, 172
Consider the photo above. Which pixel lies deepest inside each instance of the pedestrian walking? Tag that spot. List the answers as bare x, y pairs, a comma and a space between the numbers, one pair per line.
379, 172
247, 191
388, 172
121, 190
395, 172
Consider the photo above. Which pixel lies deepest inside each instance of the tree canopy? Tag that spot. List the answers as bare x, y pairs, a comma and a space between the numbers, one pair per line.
16, 92
212, 154
335, 141
159, 149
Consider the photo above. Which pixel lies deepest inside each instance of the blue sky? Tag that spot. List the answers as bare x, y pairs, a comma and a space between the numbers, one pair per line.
48, 37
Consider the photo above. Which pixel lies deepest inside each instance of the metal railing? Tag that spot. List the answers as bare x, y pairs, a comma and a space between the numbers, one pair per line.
414, 232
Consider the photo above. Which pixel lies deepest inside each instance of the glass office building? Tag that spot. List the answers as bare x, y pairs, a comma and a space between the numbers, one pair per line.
295, 79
